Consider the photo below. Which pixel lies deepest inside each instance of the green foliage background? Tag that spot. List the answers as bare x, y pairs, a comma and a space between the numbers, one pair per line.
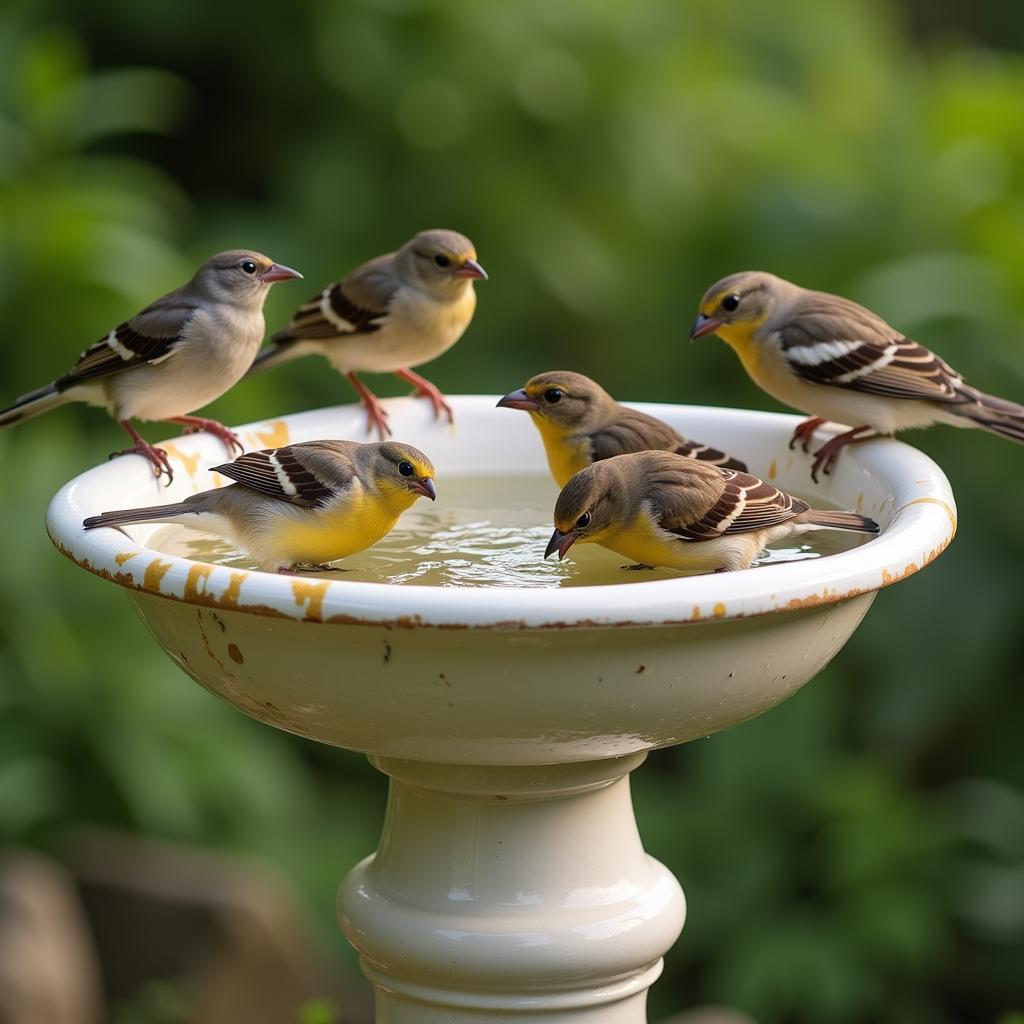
857, 855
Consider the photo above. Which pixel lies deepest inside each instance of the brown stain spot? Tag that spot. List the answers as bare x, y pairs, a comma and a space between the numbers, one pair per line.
123, 556
773, 470
934, 501
199, 573
206, 643
311, 593
190, 462
155, 572
888, 578
274, 435
695, 617
719, 610
235, 654
641, 669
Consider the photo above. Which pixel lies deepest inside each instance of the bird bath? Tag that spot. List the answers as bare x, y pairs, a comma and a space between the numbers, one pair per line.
510, 881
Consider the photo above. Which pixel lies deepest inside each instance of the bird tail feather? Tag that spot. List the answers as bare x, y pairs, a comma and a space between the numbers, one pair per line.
836, 520
33, 404
273, 355
998, 415
153, 514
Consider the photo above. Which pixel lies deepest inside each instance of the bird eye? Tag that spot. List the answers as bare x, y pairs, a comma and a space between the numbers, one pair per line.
731, 303
442, 261
405, 468
553, 395
583, 522
249, 266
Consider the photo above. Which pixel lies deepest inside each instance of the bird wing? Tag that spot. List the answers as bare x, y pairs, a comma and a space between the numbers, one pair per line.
355, 305
308, 474
633, 431
743, 504
150, 337
842, 344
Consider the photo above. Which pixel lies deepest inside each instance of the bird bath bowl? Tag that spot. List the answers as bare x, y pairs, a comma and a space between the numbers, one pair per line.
510, 881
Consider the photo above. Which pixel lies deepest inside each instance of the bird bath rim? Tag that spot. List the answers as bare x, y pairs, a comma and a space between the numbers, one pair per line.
896, 484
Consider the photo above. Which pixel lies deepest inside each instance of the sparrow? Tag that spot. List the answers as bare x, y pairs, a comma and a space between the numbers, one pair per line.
580, 423
835, 360
660, 508
177, 355
302, 506
391, 313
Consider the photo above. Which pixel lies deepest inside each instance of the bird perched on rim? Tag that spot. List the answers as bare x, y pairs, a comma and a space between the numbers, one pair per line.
179, 354
664, 509
391, 313
580, 423
835, 360
302, 505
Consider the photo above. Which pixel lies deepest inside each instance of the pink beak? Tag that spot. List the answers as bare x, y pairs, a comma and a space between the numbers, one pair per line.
278, 272
425, 487
704, 325
471, 269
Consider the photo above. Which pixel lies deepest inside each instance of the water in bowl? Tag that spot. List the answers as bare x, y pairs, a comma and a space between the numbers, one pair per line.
484, 532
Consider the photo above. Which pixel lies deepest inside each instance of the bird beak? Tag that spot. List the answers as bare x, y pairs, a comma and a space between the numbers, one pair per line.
471, 269
518, 400
704, 325
560, 542
278, 272
425, 487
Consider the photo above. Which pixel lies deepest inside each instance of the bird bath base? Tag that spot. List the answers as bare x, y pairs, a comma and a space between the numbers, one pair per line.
510, 880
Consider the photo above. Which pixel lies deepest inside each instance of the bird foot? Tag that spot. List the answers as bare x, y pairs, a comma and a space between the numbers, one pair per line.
424, 389
157, 457
200, 424
376, 416
825, 457
805, 431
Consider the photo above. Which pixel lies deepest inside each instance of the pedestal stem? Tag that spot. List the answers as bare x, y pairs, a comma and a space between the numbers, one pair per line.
511, 893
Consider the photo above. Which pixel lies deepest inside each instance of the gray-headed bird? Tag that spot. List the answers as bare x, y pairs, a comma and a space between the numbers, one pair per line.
388, 315
177, 355
580, 423
663, 509
303, 505
835, 360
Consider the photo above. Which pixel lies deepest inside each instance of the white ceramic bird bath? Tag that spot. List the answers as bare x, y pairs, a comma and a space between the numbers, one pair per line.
510, 881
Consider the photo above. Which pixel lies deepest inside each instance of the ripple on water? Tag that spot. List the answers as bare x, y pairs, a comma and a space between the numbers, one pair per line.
481, 532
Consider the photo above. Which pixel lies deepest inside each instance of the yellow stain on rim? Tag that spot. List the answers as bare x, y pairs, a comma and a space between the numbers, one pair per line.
311, 594
155, 572
190, 462
198, 573
719, 610
123, 556
773, 470
274, 435
933, 501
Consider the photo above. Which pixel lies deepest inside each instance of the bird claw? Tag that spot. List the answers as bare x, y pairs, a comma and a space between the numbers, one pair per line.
200, 424
825, 457
377, 418
803, 432
157, 457
423, 388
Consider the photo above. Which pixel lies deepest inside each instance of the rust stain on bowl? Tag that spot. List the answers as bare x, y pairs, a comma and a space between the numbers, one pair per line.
190, 462
275, 434
123, 556
155, 572
719, 610
235, 654
773, 470
888, 578
311, 595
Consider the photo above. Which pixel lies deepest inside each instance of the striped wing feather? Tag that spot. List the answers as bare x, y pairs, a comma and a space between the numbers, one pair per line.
299, 473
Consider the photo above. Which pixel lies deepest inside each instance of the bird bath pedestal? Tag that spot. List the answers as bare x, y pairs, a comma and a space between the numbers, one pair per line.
510, 881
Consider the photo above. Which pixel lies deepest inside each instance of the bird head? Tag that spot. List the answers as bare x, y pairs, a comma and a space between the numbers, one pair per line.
737, 305
240, 276
441, 262
403, 473
566, 399
594, 503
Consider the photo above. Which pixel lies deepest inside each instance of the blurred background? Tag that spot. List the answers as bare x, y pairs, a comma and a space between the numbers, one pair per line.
857, 855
